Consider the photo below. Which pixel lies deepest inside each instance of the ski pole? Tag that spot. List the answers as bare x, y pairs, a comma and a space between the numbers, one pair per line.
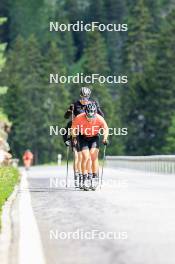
72, 115
67, 170
73, 148
103, 162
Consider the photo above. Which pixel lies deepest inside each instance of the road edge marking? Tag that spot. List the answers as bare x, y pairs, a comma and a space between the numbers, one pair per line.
6, 227
30, 245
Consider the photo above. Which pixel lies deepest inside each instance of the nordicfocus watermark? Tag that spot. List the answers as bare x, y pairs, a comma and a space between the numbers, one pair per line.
81, 234
81, 78
94, 130
80, 26
119, 184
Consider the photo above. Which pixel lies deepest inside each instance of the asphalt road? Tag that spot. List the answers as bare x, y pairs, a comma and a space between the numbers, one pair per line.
131, 220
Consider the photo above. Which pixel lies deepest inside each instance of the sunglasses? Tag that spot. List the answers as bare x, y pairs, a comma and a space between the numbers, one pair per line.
84, 98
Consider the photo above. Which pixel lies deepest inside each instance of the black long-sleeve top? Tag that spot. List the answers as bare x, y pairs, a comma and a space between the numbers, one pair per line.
79, 108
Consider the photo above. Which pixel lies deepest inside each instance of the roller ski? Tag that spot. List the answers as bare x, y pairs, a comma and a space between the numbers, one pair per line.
94, 182
86, 182
80, 181
76, 180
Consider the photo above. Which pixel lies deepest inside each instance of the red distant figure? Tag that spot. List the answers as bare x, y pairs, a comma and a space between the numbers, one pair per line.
27, 159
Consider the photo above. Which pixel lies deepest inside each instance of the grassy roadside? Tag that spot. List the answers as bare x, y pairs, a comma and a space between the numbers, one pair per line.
9, 177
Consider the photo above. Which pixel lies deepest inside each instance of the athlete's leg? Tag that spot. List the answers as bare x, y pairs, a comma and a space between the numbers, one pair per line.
75, 160
27, 164
94, 152
83, 143
85, 158
76, 169
94, 158
95, 168
79, 161
89, 165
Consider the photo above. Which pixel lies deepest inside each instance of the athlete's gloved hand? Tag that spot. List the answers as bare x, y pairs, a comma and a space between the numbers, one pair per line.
71, 107
74, 141
105, 142
67, 143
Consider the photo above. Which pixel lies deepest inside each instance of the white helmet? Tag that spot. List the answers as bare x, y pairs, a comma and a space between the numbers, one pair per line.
85, 92
91, 110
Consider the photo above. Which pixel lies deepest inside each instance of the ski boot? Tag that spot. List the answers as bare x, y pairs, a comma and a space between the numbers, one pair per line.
76, 176
86, 182
94, 181
80, 181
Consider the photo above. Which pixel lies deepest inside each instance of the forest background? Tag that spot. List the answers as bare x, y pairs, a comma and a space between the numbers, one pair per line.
145, 53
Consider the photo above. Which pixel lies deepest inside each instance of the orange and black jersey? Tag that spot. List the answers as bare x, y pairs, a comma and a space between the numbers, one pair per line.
89, 128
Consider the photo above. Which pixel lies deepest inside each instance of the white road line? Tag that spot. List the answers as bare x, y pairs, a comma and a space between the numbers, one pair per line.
6, 231
30, 246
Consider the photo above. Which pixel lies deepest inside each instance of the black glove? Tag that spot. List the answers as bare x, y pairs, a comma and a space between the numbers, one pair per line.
67, 143
71, 108
74, 141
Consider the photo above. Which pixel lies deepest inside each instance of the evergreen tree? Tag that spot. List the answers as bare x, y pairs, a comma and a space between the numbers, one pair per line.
115, 10
169, 147
95, 53
138, 61
22, 102
116, 13
155, 10
31, 104
4, 12
150, 89
57, 99
18, 102
97, 11
64, 40
76, 10
165, 79
2, 48
29, 17
2, 62
96, 61
13, 73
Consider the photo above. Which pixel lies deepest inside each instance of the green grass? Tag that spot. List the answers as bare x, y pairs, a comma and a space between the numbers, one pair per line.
9, 177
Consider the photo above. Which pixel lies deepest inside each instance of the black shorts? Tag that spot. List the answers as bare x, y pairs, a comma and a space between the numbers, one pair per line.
88, 142
76, 147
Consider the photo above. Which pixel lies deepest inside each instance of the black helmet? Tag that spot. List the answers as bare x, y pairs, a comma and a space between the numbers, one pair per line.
85, 92
91, 110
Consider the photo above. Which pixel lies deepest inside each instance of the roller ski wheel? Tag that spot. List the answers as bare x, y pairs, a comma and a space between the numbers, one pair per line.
86, 189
